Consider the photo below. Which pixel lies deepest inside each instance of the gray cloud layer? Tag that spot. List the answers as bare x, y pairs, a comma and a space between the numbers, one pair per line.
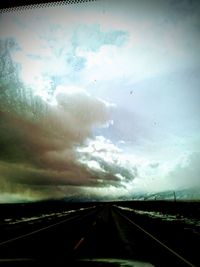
38, 141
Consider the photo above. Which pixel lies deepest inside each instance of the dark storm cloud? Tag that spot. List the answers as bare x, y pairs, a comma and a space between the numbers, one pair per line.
113, 167
49, 143
42, 152
38, 141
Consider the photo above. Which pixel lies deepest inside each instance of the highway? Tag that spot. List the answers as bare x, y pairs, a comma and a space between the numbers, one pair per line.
98, 232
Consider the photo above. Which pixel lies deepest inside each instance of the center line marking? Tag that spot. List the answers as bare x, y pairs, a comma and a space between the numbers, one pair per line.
79, 243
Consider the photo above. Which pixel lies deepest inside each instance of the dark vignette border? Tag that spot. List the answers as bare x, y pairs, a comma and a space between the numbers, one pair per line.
17, 5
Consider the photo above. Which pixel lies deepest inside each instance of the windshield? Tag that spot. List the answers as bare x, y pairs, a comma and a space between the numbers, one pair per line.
99, 126
100, 100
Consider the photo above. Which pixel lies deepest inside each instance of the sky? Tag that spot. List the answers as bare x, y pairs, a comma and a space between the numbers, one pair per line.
99, 100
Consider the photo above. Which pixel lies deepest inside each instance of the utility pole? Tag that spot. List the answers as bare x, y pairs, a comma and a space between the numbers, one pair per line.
174, 196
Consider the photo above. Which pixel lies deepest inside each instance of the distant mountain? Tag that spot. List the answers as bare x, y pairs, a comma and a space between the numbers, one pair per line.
182, 194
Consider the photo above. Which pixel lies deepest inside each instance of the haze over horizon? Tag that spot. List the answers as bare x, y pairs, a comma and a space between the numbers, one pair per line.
99, 99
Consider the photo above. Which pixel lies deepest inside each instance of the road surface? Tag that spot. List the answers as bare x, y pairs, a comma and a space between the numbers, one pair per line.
99, 232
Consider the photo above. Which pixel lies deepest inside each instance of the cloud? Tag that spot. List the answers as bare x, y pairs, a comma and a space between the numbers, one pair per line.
39, 139
155, 177
40, 150
92, 37
186, 173
49, 54
100, 153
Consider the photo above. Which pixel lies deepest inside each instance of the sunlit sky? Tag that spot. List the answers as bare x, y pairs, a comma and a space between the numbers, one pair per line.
99, 100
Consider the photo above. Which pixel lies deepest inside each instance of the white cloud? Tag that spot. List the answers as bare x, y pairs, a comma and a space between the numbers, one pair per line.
92, 164
186, 173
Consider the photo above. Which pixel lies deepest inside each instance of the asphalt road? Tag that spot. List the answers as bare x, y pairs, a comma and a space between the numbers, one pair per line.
98, 232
